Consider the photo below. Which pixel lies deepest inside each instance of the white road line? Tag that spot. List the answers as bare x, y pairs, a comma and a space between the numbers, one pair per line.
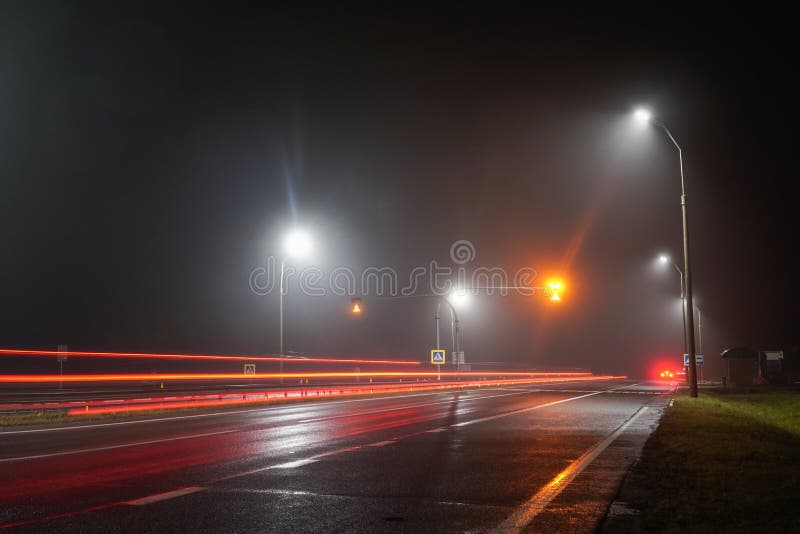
294, 463
110, 447
523, 515
406, 407
382, 443
164, 496
538, 406
522, 410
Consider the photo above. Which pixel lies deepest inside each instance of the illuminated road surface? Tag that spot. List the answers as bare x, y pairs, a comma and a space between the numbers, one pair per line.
541, 457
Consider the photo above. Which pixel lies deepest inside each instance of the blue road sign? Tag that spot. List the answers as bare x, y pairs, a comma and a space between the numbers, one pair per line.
697, 358
438, 356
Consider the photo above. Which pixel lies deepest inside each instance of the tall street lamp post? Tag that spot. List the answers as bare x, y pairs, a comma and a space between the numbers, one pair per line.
664, 259
646, 116
458, 298
296, 245
454, 329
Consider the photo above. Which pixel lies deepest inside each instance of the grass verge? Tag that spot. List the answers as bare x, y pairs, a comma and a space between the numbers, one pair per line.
727, 461
55, 416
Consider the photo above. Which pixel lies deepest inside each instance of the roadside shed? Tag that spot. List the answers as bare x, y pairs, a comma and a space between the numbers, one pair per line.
741, 366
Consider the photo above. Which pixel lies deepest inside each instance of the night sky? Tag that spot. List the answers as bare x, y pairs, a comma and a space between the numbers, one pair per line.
152, 157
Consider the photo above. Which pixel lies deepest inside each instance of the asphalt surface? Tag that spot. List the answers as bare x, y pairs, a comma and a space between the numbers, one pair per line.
544, 458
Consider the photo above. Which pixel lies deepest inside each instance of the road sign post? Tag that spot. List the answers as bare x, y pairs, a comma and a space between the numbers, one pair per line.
249, 368
699, 359
438, 358
62, 357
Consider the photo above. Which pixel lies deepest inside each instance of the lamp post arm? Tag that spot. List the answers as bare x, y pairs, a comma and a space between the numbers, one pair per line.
680, 154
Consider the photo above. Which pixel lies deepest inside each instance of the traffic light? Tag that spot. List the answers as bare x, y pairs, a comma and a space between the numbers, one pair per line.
554, 288
356, 306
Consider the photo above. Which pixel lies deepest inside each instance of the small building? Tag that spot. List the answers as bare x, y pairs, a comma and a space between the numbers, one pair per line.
741, 366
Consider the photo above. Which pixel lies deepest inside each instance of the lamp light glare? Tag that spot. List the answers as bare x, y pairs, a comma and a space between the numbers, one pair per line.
298, 244
459, 297
642, 115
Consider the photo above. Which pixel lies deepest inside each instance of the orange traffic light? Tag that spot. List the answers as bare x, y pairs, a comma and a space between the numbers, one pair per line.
355, 306
554, 288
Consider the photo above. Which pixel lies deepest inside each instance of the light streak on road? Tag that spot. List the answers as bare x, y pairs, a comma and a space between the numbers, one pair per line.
305, 393
243, 358
28, 378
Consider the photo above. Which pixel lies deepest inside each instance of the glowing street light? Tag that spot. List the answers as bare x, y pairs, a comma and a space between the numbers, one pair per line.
459, 298
297, 244
643, 116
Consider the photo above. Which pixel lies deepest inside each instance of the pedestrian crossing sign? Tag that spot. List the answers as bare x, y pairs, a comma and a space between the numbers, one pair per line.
438, 356
249, 368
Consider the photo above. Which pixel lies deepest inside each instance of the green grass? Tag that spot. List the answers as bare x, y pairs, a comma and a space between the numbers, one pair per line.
779, 408
34, 418
724, 462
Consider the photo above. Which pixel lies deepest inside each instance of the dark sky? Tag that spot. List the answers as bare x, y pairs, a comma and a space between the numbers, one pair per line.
151, 157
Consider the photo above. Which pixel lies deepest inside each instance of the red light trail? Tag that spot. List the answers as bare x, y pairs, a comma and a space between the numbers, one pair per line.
9, 379
307, 393
157, 356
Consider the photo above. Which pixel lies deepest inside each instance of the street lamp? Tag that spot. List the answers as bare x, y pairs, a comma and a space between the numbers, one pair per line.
297, 244
645, 116
458, 298
665, 260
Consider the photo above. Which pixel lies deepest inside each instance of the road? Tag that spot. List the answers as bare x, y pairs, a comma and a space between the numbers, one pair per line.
543, 458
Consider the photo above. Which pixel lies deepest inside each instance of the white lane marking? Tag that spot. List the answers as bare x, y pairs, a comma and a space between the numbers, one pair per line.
110, 447
164, 496
295, 463
523, 410
382, 443
288, 465
524, 514
406, 407
440, 429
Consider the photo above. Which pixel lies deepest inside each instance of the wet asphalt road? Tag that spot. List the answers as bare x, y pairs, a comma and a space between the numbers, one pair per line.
434, 462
